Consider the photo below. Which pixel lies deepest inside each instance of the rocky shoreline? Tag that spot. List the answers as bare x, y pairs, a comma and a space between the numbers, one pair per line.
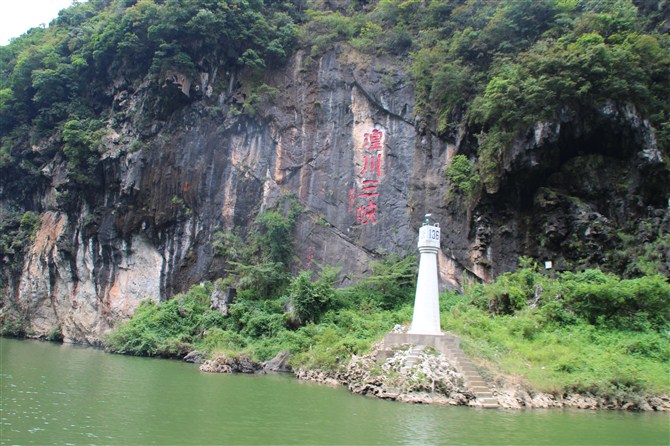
240, 363
431, 379
519, 398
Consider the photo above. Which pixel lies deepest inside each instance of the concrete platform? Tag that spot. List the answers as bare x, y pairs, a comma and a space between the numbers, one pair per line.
450, 346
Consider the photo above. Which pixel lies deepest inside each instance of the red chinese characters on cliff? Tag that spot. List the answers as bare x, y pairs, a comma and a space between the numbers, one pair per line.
364, 197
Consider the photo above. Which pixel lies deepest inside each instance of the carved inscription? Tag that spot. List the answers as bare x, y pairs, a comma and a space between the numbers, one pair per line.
364, 197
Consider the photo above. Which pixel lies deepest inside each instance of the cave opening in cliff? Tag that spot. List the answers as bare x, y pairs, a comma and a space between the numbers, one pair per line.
597, 142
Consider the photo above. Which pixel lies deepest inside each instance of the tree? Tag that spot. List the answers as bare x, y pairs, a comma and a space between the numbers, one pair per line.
309, 299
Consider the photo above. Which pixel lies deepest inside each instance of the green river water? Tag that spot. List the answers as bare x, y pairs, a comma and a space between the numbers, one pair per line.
63, 394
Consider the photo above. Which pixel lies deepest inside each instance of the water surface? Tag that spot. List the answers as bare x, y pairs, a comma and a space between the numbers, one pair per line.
63, 394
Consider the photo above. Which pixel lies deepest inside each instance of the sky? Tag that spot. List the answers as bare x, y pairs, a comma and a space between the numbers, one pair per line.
18, 16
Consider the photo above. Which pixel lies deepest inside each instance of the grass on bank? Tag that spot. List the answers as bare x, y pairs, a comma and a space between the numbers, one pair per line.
581, 358
587, 332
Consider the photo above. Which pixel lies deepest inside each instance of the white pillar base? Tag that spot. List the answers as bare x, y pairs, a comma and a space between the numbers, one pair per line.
426, 318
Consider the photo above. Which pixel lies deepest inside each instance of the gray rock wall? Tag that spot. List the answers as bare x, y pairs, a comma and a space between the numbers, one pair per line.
341, 136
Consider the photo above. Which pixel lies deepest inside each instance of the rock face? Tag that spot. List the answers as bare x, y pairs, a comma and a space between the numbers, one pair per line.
222, 297
429, 378
338, 132
279, 363
59, 285
235, 364
195, 357
433, 379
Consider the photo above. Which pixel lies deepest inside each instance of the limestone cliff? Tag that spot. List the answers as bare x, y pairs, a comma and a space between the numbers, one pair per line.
338, 132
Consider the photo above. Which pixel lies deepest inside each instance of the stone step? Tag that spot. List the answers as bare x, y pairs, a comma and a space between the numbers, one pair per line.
473, 380
488, 400
450, 347
413, 356
489, 406
383, 355
476, 381
481, 395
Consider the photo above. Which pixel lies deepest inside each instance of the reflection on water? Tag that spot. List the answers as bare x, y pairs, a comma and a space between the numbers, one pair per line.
53, 394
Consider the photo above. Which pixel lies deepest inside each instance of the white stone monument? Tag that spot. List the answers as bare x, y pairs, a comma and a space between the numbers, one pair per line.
426, 319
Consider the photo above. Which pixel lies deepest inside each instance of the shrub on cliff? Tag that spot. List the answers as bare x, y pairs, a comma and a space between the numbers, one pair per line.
308, 299
16, 230
390, 285
590, 296
320, 325
167, 329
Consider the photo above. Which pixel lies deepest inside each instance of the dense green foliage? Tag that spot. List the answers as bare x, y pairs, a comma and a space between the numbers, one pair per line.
561, 359
497, 67
590, 296
260, 261
16, 230
319, 324
51, 75
505, 64
309, 299
463, 176
502, 66
56, 82
575, 332
167, 328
